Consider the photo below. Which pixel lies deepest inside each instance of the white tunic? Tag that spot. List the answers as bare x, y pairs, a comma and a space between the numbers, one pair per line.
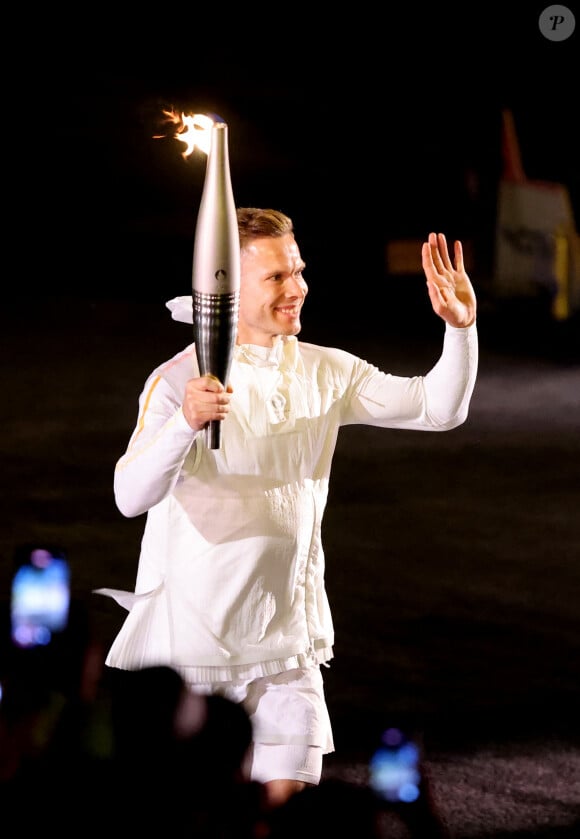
230, 582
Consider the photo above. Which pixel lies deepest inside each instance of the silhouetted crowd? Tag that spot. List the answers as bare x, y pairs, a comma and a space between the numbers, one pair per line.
87, 748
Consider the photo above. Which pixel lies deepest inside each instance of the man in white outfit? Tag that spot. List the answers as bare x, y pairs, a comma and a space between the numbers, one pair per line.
230, 584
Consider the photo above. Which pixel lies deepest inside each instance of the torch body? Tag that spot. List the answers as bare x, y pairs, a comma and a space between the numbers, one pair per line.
216, 271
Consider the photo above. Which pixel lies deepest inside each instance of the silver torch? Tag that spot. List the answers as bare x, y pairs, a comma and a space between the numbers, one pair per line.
216, 271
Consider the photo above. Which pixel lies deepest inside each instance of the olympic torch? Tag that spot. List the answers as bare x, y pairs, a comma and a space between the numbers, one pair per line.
216, 270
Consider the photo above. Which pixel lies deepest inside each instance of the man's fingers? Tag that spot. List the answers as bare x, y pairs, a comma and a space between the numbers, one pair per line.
459, 256
211, 383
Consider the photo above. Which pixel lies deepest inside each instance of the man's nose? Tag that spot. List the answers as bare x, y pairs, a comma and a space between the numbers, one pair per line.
296, 287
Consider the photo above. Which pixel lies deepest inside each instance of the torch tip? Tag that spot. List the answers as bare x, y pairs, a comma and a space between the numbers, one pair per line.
217, 119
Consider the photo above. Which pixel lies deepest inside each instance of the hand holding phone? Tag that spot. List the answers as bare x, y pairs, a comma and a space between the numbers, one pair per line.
397, 775
395, 768
40, 596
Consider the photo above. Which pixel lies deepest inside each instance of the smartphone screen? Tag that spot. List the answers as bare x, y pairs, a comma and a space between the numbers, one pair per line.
395, 768
40, 596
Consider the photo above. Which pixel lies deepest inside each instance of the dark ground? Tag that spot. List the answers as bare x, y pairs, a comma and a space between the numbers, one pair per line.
453, 562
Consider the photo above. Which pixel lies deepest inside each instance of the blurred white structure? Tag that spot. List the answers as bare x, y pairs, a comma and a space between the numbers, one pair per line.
537, 247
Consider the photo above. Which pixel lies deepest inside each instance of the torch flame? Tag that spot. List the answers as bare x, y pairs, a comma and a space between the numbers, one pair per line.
192, 129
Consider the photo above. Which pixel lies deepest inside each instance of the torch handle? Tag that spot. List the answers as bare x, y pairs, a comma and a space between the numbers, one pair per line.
213, 434
215, 318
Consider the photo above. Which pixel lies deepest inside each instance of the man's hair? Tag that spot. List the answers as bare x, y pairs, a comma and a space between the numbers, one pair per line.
254, 223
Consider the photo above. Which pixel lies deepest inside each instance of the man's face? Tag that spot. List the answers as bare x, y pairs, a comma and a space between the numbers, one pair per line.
272, 290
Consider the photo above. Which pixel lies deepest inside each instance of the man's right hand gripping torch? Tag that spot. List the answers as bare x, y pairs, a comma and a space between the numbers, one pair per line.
216, 271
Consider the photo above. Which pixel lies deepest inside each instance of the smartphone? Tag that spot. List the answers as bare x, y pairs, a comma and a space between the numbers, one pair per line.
395, 767
40, 595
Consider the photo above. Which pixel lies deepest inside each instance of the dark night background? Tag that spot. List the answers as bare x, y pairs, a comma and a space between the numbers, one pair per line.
363, 127
452, 559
